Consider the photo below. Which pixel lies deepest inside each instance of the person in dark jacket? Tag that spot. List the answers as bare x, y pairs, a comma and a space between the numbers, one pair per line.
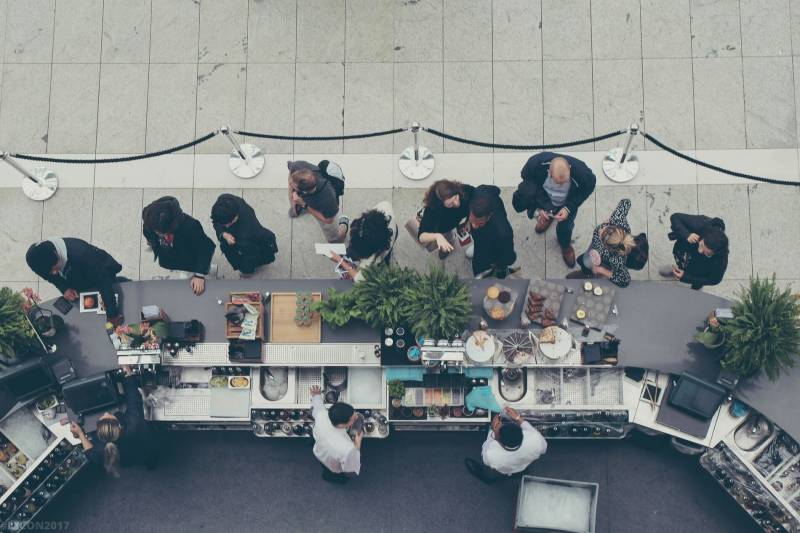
700, 250
75, 266
445, 208
553, 187
491, 233
178, 240
245, 243
122, 439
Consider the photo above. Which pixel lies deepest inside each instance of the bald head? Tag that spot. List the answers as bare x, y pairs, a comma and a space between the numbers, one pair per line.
559, 170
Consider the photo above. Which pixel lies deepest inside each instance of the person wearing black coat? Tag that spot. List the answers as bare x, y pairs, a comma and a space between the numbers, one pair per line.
700, 250
245, 243
178, 240
491, 233
75, 266
556, 186
122, 439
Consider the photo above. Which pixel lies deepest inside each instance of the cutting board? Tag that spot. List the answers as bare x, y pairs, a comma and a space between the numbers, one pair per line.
230, 403
281, 320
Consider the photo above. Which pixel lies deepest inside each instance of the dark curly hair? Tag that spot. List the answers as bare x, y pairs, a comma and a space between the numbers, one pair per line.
369, 235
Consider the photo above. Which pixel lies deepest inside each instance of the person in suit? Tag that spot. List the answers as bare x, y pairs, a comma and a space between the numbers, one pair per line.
75, 266
700, 250
178, 240
553, 187
491, 233
245, 243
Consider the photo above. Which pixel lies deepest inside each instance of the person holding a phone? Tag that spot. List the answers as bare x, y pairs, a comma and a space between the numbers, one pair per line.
371, 239
75, 266
700, 250
245, 243
315, 189
510, 447
445, 210
491, 233
553, 187
339, 454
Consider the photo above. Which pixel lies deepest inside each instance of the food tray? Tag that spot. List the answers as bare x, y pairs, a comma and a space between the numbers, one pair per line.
281, 320
518, 347
554, 294
426, 397
233, 332
556, 505
597, 307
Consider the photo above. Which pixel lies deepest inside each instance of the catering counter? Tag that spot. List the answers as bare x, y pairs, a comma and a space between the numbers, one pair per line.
654, 321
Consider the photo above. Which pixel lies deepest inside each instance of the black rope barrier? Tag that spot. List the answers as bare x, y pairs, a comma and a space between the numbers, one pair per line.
195, 142
329, 138
521, 146
715, 167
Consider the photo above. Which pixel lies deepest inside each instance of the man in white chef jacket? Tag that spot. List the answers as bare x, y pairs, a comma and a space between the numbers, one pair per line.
510, 447
340, 456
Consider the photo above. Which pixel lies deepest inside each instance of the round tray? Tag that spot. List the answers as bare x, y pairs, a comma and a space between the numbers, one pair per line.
477, 354
558, 349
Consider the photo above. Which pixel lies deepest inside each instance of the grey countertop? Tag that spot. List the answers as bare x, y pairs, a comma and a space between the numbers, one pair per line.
656, 324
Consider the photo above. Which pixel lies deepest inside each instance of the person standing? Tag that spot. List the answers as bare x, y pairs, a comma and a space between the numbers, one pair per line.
445, 208
340, 456
510, 447
553, 187
245, 243
316, 189
491, 233
371, 239
178, 240
700, 250
75, 266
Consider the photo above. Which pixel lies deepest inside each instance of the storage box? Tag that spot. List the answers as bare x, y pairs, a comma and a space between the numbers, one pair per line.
546, 505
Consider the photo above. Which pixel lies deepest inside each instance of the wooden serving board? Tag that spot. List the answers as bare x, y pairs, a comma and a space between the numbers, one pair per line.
281, 320
233, 332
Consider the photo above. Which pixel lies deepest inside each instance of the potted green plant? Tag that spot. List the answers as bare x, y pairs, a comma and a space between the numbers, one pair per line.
764, 333
336, 308
436, 304
17, 336
378, 297
397, 390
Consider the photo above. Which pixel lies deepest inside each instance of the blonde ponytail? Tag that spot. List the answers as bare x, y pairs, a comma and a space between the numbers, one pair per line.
109, 431
111, 459
617, 240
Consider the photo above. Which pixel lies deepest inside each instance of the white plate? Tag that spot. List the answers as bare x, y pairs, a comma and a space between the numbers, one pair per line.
478, 354
558, 349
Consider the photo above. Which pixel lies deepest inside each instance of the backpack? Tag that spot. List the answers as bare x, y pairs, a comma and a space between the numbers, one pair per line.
333, 173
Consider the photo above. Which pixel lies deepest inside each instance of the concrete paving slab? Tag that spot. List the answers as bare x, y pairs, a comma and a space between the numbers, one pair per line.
20, 226
174, 32
270, 104
122, 241
319, 105
305, 263
662, 202
529, 245
775, 239
24, 107
367, 107
718, 101
78, 31
518, 109
731, 204
616, 29
122, 111
272, 31
618, 96
223, 32
566, 30
69, 214
270, 207
407, 252
320, 31
418, 30
420, 102
73, 108
369, 35
126, 31
171, 105
770, 114
716, 29
766, 27
468, 86
568, 105
666, 29
29, 31
516, 30
467, 36
669, 101
220, 101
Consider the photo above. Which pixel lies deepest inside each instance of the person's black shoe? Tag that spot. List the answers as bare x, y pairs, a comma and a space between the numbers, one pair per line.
531, 212
121, 279
476, 469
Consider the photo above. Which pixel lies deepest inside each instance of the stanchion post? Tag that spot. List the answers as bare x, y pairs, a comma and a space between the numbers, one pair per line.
416, 162
246, 160
40, 184
620, 164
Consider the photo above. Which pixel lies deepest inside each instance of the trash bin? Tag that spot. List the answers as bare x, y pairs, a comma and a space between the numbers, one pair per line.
546, 505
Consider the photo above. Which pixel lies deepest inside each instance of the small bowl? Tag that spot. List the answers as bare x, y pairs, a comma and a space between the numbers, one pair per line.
400, 331
388, 332
413, 354
401, 343
389, 342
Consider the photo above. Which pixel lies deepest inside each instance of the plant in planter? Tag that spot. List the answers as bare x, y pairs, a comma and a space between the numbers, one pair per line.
764, 333
378, 296
17, 337
436, 304
397, 390
336, 308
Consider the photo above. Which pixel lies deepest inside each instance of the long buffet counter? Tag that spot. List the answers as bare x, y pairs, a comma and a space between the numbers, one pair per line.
563, 398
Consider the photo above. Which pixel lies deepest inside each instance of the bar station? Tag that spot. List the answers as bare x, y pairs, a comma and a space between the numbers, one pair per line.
577, 359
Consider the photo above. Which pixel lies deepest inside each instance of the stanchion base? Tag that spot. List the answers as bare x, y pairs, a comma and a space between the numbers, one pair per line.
247, 169
617, 172
48, 187
418, 169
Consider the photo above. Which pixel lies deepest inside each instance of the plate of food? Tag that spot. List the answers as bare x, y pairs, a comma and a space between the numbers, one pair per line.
218, 382
239, 382
554, 342
480, 347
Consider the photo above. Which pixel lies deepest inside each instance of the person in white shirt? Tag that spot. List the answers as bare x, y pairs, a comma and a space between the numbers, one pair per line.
509, 449
372, 237
340, 456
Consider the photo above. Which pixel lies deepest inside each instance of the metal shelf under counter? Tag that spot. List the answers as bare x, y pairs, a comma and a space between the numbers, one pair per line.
321, 354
